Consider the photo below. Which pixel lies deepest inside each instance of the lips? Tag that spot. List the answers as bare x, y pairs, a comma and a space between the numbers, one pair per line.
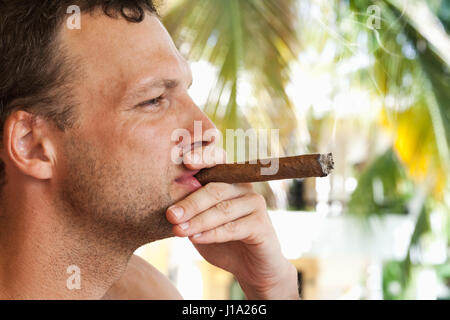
188, 179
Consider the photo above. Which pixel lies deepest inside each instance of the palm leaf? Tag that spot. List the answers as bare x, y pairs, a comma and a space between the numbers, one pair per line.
252, 39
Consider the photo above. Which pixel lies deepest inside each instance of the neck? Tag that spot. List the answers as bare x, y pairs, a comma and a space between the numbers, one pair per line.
42, 250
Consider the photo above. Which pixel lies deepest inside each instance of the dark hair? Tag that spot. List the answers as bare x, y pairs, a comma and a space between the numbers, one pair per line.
34, 71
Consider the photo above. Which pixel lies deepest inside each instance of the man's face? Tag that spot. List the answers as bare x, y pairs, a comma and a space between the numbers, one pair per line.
115, 166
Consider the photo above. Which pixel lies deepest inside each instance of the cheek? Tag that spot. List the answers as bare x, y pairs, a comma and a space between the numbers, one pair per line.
140, 144
149, 143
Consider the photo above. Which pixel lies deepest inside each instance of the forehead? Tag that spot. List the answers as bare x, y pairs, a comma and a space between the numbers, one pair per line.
115, 52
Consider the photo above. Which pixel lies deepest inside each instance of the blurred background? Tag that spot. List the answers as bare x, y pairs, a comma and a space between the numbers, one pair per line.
366, 80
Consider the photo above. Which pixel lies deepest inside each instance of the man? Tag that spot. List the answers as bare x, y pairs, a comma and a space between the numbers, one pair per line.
87, 117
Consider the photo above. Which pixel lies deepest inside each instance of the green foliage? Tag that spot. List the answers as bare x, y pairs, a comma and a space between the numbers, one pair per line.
393, 286
256, 39
444, 14
443, 272
382, 188
236, 292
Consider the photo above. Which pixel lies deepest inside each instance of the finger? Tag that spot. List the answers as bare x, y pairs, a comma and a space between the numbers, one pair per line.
203, 199
251, 229
206, 157
221, 213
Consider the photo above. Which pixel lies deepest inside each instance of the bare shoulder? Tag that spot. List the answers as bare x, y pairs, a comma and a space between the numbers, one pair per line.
142, 281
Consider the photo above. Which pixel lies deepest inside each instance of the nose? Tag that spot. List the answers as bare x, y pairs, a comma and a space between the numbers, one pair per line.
202, 129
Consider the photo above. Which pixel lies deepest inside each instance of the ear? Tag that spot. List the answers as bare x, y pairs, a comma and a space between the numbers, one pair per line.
27, 146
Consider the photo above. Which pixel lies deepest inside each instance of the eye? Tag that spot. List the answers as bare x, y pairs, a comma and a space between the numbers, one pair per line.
156, 102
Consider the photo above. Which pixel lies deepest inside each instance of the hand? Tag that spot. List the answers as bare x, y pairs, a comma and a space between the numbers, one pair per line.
230, 227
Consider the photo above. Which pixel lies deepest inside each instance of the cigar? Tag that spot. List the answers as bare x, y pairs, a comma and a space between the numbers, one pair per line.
303, 166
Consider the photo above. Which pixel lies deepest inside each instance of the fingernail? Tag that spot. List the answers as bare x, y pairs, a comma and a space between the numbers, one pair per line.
177, 211
197, 235
184, 226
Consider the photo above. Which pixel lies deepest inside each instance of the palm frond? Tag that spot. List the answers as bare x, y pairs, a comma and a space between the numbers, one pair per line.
253, 39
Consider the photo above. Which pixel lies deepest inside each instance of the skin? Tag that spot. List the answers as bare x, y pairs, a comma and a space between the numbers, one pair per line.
89, 196
142, 281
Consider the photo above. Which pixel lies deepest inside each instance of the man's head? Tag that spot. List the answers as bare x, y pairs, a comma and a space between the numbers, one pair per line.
87, 115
